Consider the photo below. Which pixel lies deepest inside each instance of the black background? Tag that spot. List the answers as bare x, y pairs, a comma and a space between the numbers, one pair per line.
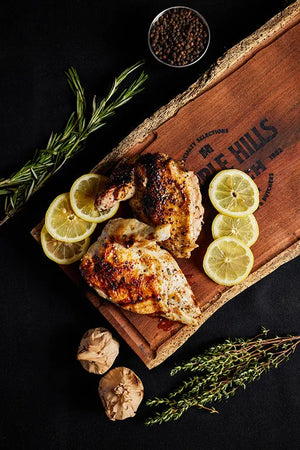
47, 400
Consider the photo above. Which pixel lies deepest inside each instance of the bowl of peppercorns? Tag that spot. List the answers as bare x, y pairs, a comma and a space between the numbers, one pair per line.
178, 36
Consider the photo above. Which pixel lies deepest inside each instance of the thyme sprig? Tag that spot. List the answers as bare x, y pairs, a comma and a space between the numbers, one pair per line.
20, 186
220, 371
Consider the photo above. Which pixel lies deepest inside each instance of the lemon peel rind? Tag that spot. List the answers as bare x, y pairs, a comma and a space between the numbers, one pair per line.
218, 280
252, 218
102, 217
64, 262
222, 210
54, 234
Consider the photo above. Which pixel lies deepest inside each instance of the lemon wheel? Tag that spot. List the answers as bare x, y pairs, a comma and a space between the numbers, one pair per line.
243, 228
63, 252
82, 197
228, 261
63, 224
234, 193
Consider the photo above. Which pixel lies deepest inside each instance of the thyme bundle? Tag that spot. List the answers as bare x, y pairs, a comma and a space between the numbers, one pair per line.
220, 371
20, 186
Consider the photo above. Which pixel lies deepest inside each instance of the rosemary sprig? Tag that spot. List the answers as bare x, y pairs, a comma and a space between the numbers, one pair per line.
220, 371
20, 186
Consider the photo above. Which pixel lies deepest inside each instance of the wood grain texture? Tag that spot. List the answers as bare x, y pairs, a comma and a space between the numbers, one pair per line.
226, 64
242, 113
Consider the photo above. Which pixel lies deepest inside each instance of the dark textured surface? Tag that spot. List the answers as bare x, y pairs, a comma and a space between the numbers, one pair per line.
47, 400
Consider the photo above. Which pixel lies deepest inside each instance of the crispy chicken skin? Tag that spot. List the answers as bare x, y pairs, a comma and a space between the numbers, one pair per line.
126, 266
161, 192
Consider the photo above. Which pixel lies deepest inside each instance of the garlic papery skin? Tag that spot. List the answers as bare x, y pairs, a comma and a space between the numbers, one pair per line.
121, 392
97, 350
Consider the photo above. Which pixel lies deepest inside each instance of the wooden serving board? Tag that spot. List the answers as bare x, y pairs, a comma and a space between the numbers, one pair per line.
243, 113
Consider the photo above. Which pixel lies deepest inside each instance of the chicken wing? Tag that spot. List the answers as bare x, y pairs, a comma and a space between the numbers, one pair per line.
126, 266
161, 192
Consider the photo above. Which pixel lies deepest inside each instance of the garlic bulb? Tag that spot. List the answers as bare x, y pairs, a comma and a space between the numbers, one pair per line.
97, 350
121, 391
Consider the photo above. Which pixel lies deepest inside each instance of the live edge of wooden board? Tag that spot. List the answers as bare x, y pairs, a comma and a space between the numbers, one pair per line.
240, 113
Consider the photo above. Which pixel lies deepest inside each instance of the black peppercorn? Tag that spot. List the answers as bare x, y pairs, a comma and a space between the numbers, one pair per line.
179, 36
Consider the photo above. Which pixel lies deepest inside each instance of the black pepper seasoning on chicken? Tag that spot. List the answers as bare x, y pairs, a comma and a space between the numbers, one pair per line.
144, 278
161, 192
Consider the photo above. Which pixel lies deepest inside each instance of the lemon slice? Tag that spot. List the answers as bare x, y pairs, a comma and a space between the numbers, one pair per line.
63, 252
243, 228
234, 193
82, 196
63, 224
228, 261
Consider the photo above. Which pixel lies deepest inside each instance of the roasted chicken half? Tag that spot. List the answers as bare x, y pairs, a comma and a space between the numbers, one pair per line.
126, 266
161, 192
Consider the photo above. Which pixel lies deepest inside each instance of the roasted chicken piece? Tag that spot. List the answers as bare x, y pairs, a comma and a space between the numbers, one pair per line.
161, 192
126, 266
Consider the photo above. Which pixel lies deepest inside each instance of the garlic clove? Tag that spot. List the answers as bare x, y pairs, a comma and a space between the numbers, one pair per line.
97, 350
121, 392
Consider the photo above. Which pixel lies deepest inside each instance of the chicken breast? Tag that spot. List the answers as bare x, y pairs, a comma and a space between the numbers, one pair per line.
161, 192
128, 267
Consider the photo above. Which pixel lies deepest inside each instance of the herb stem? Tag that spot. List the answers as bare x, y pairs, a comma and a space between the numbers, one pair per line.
220, 371
20, 186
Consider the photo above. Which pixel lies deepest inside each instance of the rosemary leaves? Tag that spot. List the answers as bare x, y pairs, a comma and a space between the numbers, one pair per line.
220, 371
20, 186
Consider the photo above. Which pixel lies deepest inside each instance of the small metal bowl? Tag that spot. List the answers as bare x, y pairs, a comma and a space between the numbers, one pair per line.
154, 22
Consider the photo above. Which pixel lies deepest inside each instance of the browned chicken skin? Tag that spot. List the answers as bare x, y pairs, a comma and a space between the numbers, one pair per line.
128, 267
161, 192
